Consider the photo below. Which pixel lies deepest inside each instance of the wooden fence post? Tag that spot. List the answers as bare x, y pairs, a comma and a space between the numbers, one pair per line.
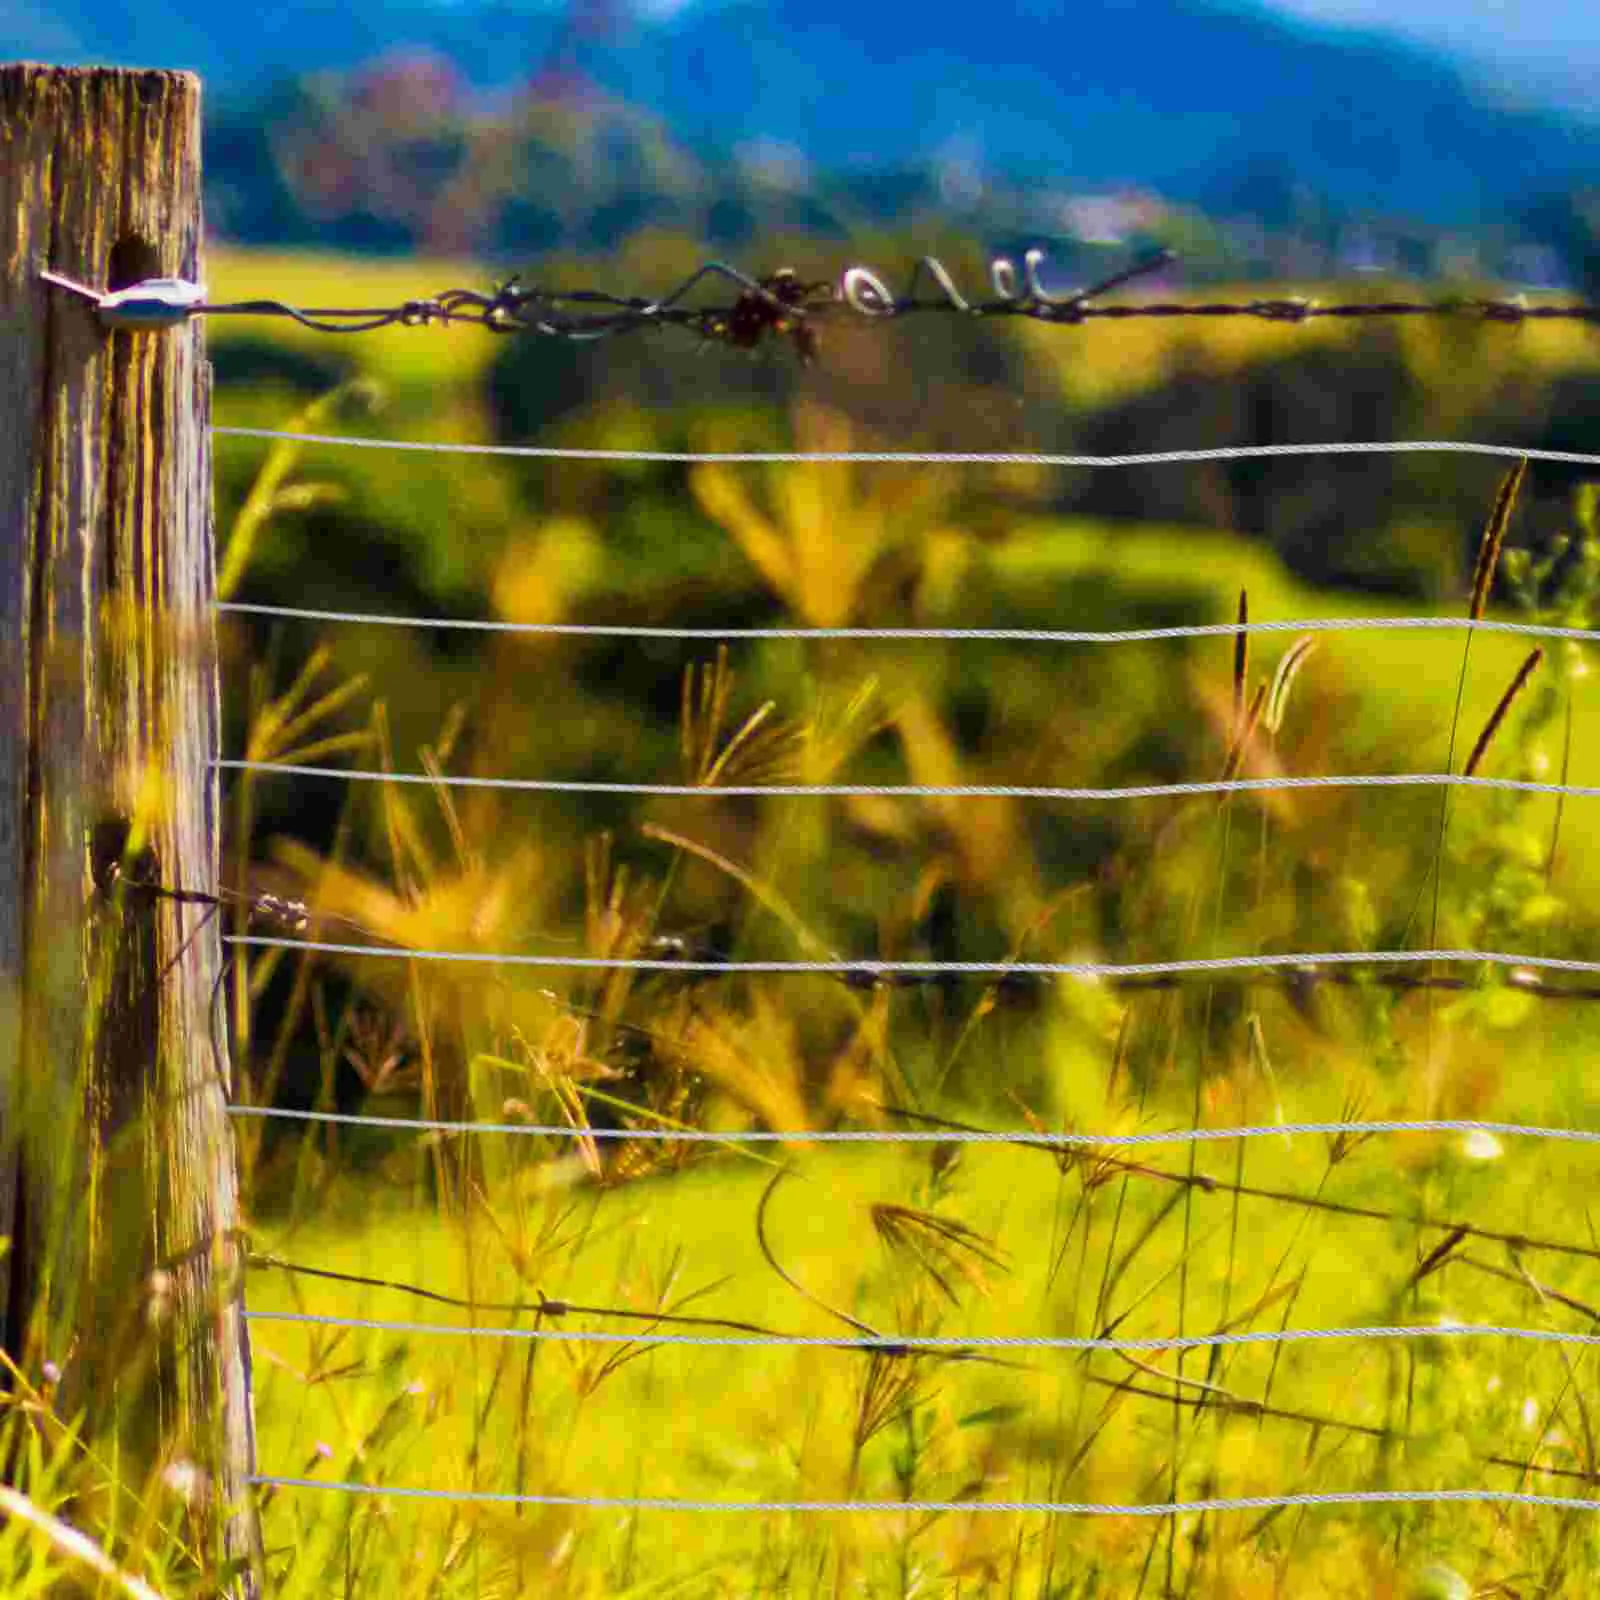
118, 1187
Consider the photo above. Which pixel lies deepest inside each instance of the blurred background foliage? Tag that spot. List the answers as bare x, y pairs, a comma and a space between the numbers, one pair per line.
710, 545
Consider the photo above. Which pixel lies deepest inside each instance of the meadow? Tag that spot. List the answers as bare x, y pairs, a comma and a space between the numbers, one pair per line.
640, 1240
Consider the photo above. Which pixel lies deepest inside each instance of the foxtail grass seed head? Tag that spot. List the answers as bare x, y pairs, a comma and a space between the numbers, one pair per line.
1493, 536
1492, 726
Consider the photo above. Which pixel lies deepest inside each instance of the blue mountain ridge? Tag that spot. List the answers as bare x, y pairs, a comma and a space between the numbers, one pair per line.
1176, 96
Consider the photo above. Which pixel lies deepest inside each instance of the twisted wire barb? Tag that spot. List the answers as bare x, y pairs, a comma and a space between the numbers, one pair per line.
779, 304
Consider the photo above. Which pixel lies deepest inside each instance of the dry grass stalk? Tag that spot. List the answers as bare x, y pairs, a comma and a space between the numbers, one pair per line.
706, 697
1230, 767
759, 888
1493, 536
269, 494
1492, 726
379, 1051
616, 921
755, 1062
937, 1245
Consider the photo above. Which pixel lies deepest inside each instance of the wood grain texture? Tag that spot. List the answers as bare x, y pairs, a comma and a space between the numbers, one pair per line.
117, 1174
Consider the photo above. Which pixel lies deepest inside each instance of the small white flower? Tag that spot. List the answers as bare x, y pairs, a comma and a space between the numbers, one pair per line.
1530, 1412
1481, 1145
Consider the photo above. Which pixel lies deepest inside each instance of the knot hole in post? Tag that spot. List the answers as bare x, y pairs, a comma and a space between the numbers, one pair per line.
133, 259
109, 860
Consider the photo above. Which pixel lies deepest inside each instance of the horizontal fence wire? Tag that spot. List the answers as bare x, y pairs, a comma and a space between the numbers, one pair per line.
894, 1342
868, 970
926, 458
1203, 630
1027, 1137
1062, 1508
973, 791
777, 305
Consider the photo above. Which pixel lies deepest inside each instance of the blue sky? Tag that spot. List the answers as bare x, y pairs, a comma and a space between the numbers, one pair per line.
1548, 44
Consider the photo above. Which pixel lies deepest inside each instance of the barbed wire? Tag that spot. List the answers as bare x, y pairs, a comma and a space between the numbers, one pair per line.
778, 305
295, 916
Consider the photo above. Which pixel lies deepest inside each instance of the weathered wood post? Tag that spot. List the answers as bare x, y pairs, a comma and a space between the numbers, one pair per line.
117, 1177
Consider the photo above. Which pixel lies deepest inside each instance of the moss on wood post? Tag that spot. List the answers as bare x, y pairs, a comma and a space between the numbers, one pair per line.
118, 1186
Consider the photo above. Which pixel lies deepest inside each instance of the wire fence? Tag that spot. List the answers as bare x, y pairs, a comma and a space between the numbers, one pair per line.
778, 305
781, 304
